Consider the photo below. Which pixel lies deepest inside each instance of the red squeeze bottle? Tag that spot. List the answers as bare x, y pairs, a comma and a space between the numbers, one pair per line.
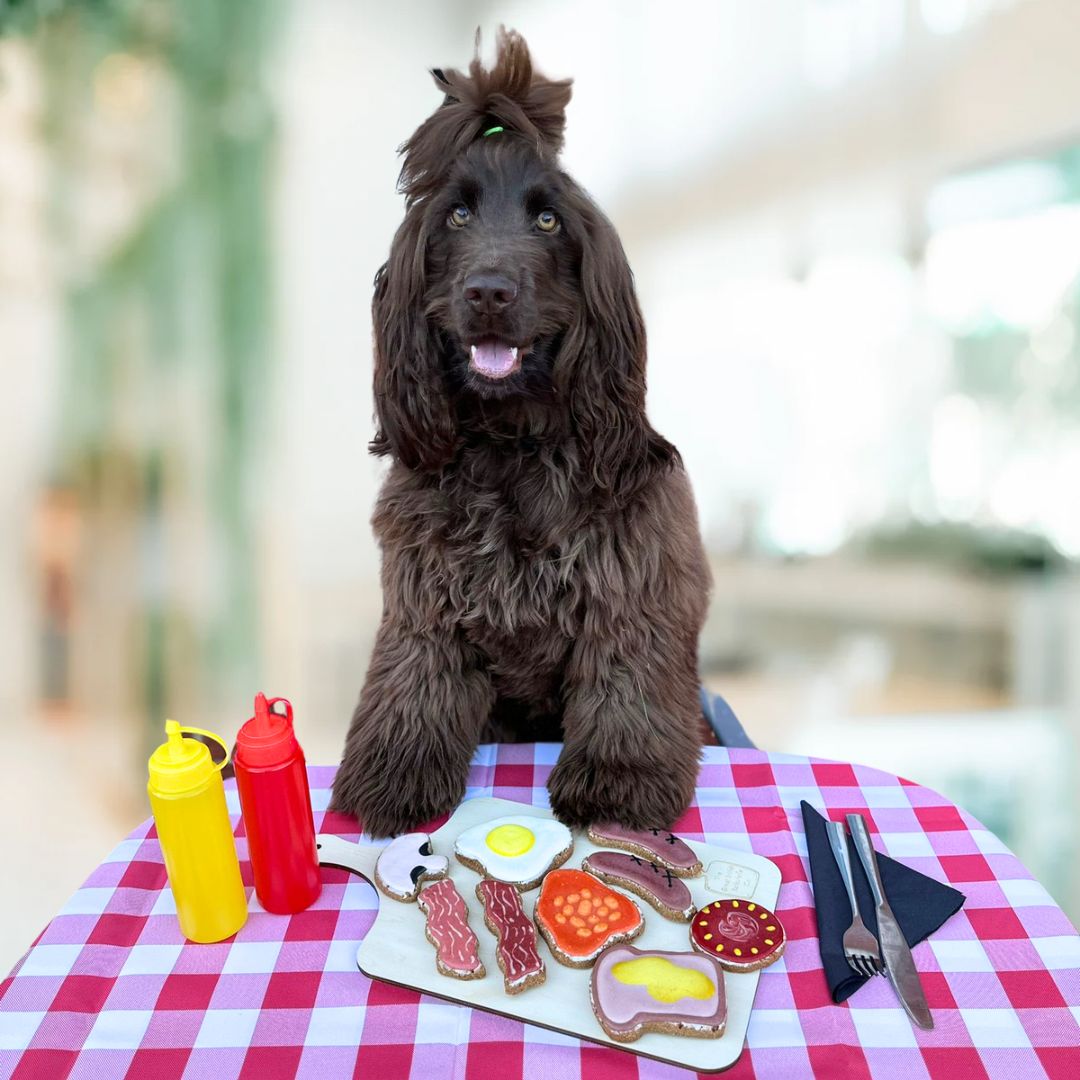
276, 804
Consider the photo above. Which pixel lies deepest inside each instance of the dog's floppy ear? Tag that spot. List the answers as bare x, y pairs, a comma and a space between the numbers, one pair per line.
411, 403
601, 367
512, 95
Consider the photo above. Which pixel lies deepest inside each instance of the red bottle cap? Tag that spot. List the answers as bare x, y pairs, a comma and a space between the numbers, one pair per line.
267, 738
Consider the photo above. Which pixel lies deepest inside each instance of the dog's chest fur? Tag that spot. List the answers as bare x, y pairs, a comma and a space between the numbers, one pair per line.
497, 539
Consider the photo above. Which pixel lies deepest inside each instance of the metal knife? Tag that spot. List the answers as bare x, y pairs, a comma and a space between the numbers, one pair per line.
899, 966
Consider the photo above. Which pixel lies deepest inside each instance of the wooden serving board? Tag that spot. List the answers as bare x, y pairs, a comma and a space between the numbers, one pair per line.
396, 950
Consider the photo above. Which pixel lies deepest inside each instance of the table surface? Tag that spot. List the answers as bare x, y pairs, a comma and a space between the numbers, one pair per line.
110, 989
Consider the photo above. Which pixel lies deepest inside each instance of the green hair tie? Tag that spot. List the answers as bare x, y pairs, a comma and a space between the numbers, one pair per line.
492, 131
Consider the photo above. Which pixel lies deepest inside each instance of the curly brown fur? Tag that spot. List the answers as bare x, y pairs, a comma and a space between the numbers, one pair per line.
543, 576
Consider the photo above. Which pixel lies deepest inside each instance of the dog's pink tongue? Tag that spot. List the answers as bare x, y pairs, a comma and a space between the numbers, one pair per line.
493, 357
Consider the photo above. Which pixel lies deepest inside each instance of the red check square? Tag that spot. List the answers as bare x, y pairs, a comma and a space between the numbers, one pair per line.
271, 1062
143, 875
82, 994
834, 774
384, 993
161, 1064
809, 990
799, 923
939, 995
1032, 989
1060, 1062
384, 1060
966, 868
492, 1059
312, 925
996, 923
513, 776
186, 992
940, 818
292, 990
117, 930
758, 774
958, 1061
846, 1061
791, 868
38, 1064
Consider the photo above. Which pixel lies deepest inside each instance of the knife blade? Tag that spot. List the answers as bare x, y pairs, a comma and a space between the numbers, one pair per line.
899, 965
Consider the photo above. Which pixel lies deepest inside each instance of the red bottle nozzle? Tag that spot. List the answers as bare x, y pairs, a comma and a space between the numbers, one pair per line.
267, 738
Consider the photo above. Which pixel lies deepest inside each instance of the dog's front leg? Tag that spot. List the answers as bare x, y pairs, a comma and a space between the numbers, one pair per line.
421, 711
632, 737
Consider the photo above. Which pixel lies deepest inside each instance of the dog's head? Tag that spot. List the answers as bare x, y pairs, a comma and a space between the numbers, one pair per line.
505, 282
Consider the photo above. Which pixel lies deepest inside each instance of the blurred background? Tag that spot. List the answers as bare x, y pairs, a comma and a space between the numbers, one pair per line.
855, 226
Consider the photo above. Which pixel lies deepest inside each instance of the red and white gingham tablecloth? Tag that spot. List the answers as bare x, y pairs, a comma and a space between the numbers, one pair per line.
110, 989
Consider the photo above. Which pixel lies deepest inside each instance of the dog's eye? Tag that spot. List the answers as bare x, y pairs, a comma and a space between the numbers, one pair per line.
459, 216
547, 220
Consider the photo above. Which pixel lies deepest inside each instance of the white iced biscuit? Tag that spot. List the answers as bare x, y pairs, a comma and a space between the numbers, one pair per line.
517, 850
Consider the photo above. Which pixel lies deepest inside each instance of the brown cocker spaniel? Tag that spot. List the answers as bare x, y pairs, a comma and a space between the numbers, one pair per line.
543, 575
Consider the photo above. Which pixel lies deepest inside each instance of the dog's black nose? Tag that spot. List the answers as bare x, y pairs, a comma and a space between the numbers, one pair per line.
490, 293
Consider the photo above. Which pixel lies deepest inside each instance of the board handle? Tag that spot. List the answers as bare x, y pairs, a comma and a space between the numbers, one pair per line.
336, 851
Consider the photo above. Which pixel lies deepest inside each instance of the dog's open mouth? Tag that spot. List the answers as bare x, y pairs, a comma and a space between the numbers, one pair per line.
494, 359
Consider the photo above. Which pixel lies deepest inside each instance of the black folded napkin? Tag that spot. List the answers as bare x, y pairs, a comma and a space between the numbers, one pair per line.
919, 903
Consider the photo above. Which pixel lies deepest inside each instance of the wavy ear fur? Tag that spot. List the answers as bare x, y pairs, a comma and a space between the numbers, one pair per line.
411, 404
511, 93
601, 370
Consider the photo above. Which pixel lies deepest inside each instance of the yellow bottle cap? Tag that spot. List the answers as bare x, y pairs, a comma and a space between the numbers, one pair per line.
180, 764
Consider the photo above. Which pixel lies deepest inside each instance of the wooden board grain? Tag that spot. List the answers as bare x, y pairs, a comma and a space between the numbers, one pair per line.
396, 950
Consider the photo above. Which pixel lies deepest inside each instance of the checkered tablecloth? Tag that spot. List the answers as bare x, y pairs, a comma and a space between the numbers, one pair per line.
111, 990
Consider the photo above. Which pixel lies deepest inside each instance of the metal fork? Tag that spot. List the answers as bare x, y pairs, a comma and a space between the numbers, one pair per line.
860, 946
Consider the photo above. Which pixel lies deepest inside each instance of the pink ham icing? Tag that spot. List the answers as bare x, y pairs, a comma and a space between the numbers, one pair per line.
519, 959
448, 924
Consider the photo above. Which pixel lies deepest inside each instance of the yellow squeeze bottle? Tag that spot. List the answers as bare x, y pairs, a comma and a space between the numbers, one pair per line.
187, 798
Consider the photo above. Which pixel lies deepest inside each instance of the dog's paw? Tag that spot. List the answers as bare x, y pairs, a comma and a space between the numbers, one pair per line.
639, 795
393, 798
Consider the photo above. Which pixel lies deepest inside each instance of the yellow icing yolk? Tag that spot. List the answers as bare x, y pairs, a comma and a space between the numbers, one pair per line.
665, 981
510, 840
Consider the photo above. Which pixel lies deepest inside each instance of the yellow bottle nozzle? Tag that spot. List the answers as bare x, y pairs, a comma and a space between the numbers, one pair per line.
175, 737
179, 764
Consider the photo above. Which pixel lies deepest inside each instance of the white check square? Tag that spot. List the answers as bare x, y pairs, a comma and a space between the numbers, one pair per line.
906, 845
226, 1027
251, 957
341, 956
886, 798
338, 1026
791, 796
118, 1029
88, 902
883, 1027
124, 852
988, 843
50, 960
439, 1023
358, 896
165, 904
1058, 953
961, 955
1025, 892
547, 753
18, 1028
725, 796
775, 1027
995, 1027
151, 959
